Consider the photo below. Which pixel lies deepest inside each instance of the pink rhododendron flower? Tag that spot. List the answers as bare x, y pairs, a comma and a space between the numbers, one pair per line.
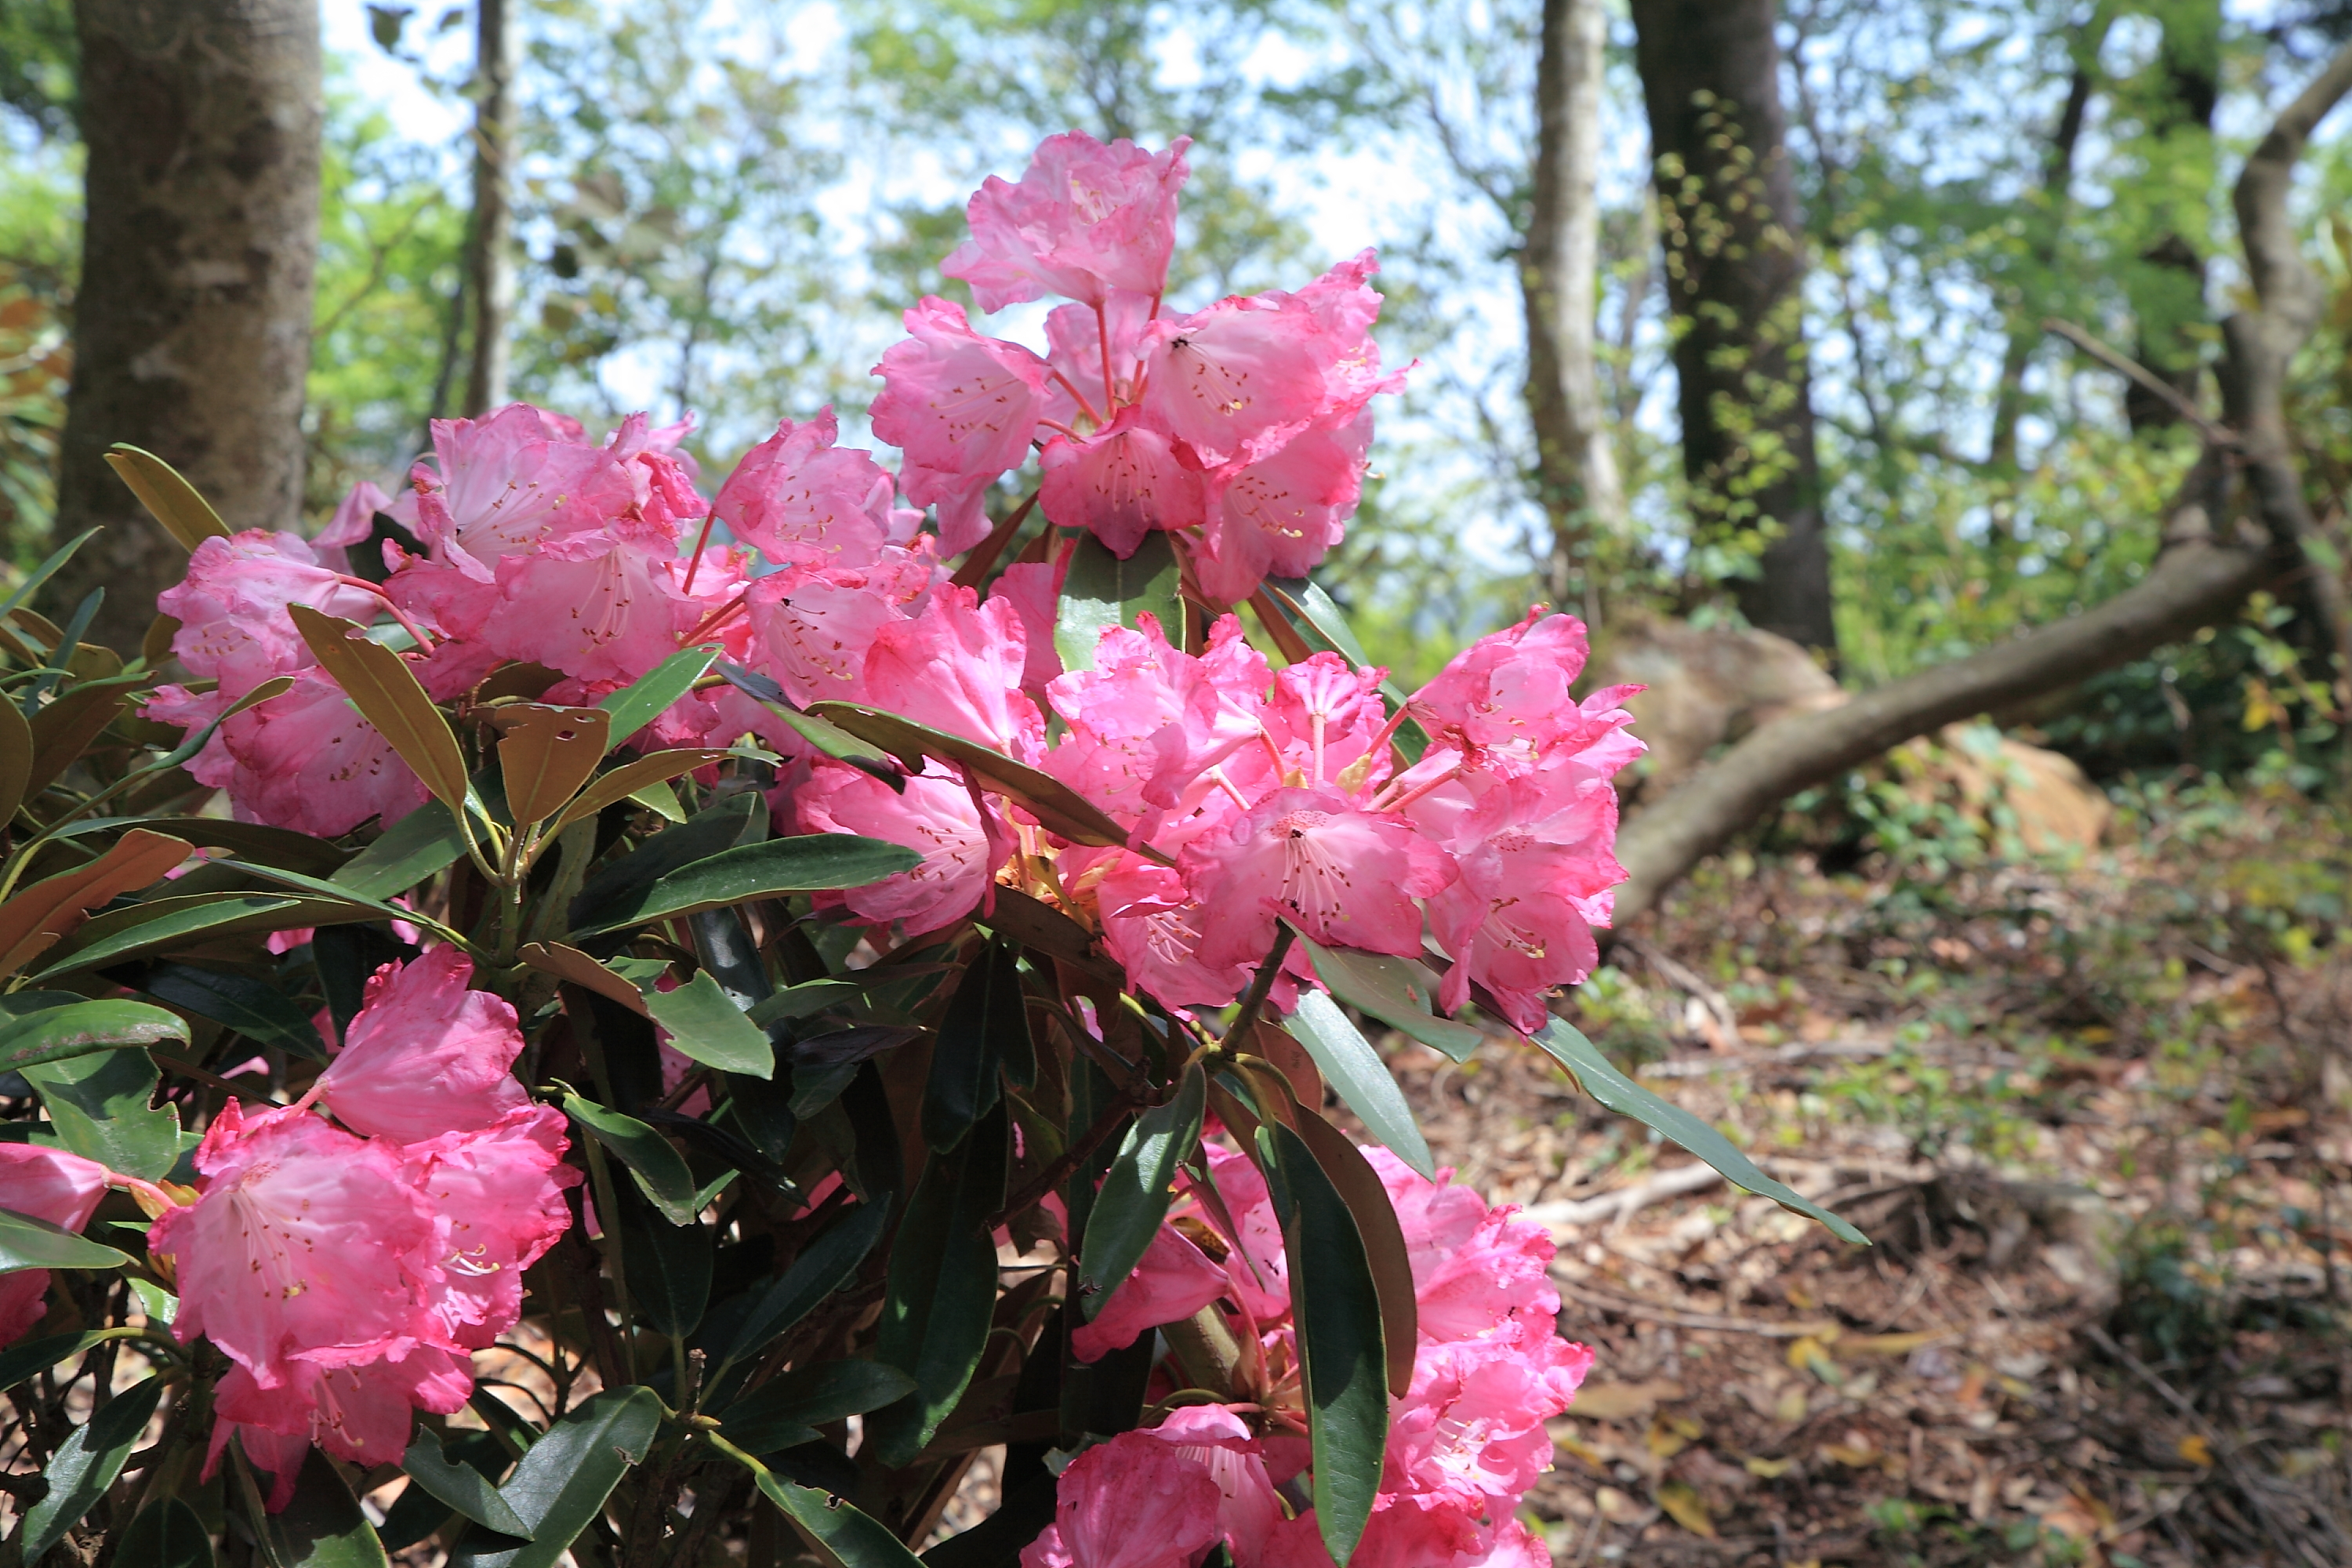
1033, 589
353, 523
1471, 1428
231, 607
307, 1245
1148, 722
1344, 876
1278, 515
1174, 1280
1132, 1503
1152, 927
592, 607
963, 408
936, 817
360, 1414
958, 667
47, 1184
425, 1055
800, 499
499, 1191
502, 485
1120, 483
1476, 1270
1084, 219
308, 761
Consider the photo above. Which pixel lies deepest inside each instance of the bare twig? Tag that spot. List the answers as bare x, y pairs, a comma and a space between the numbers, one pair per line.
2146, 380
1618, 1207
1626, 1308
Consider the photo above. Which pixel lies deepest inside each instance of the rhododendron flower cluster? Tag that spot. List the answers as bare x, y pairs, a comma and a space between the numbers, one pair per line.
347, 1267
1466, 1441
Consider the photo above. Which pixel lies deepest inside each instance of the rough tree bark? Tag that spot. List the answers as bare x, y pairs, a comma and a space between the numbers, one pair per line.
192, 321
2222, 541
1735, 278
1576, 468
490, 262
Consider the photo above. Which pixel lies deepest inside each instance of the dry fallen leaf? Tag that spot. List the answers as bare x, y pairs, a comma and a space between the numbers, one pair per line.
1623, 1401
1770, 1470
1617, 1507
2196, 1450
1683, 1505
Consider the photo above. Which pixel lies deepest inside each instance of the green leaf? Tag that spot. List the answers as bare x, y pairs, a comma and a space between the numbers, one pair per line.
1335, 1305
1367, 1197
22, 1362
383, 688
823, 734
41, 573
1322, 623
172, 921
669, 1265
55, 1034
737, 820
811, 863
705, 1025
838, 1533
641, 702
26, 1242
1599, 1078
84, 1466
323, 1526
167, 1533
417, 847
660, 1171
1101, 592
561, 1481
1397, 991
942, 1288
260, 1011
1133, 1199
824, 1266
805, 1000
1056, 805
1350, 1065
788, 1412
247, 840
99, 1105
462, 1487
986, 1022
169, 498
322, 888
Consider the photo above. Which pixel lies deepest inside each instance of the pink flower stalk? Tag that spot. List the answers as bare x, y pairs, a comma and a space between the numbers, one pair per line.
1084, 219
963, 409
46, 1183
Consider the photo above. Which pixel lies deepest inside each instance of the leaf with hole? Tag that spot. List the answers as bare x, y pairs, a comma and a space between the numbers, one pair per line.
1350, 1066
1599, 1078
98, 1106
546, 754
78, 1028
706, 1026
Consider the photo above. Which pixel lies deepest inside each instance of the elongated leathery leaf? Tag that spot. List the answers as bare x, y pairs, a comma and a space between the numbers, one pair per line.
789, 1410
1359, 1187
641, 702
419, 846
986, 1023
1133, 1199
323, 1526
840, 1535
167, 1533
1101, 591
942, 1287
823, 734
1399, 991
462, 1487
261, 1012
824, 1266
1350, 1066
78, 1028
99, 1105
811, 863
84, 1466
562, 1480
705, 1025
1600, 1078
1335, 1304
659, 1170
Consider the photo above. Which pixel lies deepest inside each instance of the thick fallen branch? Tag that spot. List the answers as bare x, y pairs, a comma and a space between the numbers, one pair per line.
2210, 562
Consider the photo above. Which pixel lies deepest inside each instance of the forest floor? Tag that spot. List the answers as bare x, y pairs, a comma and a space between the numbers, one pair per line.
2098, 1121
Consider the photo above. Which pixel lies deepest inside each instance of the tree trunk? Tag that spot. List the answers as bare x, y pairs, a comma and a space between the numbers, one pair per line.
490, 280
1576, 471
2239, 523
192, 331
1734, 278
2167, 291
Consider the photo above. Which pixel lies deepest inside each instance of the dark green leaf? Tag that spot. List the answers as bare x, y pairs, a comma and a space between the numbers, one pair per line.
462, 1487
419, 846
669, 1269
659, 1170
320, 888
725, 948
322, 1527
22, 1362
641, 702
248, 840
942, 1288
1350, 1065
167, 1533
1101, 592
418, 1513
260, 1011
1133, 1199
1397, 991
26, 1242
804, 1000
1367, 1197
99, 1105
737, 819
77, 1028
824, 1266
1337, 1307
1599, 1078
164, 923
810, 863
790, 1410
562, 1482
985, 1024
1056, 805
705, 1025
840, 1536
823, 734
84, 1466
